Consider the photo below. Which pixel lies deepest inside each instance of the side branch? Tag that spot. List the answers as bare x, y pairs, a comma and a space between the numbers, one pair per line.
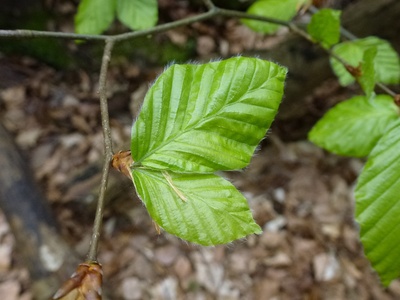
212, 12
108, 151
26, 33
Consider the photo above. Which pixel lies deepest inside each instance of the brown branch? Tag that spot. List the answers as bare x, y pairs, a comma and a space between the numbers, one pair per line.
242, 15
26, 33
165, 27
108, 151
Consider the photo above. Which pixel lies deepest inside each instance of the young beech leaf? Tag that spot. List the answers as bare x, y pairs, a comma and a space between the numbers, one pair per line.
378, 206
352, 54
353, 127
201, 208
205, 118
279, 9
386, 62
325, 27
367, 78
94, 16
137, 14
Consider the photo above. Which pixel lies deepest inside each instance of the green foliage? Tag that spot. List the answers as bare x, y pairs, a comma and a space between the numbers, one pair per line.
95, 16
325, 27
279, 9
137, 14
386, 62
366, 126
367, 78
378, 206
353, 127
195, 120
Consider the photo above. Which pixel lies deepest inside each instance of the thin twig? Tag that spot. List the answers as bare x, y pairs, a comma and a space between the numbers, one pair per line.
108, 151
295, 29
242, 15
26, 33
165, 27
386, 89
209, 4
347, 34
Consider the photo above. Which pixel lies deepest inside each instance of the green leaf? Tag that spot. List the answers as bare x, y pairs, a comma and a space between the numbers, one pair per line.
204, 118
353, 127
367, 78
352, 54
324, 27
278, 9
378, 206
94, 16
201, 208
387, 64
137, 14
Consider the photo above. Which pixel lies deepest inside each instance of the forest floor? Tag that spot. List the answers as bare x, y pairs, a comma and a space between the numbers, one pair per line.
300, 195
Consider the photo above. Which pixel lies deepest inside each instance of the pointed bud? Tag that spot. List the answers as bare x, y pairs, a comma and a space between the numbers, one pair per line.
122, 161
84, 284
